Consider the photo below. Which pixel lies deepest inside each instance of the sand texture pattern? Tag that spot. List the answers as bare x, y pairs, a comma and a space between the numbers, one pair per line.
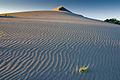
49, 45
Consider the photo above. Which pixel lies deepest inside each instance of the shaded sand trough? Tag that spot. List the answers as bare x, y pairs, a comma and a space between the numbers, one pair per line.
50, 45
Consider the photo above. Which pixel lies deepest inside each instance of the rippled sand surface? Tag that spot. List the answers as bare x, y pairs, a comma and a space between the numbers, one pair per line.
50, 45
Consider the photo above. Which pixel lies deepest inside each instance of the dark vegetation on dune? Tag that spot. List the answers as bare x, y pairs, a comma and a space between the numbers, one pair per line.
113, 20
6, 16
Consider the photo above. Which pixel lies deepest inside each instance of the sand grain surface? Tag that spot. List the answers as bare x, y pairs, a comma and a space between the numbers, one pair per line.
54, 45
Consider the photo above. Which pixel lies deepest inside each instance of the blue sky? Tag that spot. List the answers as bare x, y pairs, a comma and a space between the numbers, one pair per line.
97, 9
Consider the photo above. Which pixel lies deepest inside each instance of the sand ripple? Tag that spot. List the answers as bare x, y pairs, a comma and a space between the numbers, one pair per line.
55, 51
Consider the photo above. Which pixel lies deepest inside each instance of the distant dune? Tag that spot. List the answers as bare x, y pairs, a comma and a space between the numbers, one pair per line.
53, 45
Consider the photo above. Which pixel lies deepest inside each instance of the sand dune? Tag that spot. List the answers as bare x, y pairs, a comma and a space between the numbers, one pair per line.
50, 45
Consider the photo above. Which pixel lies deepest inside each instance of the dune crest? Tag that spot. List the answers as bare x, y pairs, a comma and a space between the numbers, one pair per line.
61, 9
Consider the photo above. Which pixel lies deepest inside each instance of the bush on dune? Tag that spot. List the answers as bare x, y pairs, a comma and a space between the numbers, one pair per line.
113, 20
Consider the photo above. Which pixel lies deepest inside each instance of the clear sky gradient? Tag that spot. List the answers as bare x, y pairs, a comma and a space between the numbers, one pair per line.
97, 9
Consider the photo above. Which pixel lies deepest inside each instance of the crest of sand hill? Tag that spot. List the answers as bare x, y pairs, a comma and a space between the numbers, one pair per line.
61, 8
59, 12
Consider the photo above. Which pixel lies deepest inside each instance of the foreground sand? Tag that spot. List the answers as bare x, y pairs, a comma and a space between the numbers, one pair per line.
50, 45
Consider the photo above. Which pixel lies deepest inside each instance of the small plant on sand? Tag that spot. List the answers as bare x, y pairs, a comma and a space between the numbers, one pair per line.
113, 20
84, 68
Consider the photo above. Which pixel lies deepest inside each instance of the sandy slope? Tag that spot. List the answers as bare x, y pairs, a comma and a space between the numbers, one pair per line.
47, 45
